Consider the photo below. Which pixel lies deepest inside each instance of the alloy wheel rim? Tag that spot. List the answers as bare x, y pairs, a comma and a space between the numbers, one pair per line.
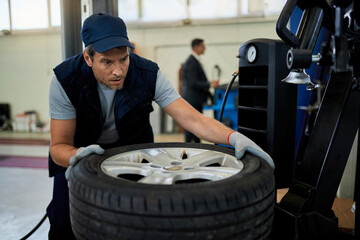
168, 166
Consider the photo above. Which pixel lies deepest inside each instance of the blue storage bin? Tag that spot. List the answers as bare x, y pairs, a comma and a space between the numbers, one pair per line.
229, 117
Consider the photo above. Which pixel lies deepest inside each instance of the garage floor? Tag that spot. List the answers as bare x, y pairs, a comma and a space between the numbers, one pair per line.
25, 194
25, 191
25, 188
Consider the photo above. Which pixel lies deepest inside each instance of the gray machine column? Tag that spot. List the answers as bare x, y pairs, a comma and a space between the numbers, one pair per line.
105, 6
70, 28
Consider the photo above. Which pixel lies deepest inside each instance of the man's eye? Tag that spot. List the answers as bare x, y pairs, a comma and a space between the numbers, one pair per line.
124, 59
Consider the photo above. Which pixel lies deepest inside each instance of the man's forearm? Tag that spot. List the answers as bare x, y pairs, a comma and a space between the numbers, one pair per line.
61, 153
212, 130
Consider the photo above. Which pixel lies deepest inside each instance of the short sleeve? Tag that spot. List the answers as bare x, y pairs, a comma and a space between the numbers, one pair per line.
165, 93
60, 106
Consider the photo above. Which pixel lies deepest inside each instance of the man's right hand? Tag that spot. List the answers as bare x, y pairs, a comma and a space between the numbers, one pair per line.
80, 154
215, 83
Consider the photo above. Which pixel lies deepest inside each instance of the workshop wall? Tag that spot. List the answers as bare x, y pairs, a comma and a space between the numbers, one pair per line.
26, 62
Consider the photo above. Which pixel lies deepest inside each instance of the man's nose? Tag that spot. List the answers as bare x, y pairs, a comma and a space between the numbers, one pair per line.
117, 70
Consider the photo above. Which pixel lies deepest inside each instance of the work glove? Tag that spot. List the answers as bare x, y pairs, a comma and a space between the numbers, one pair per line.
80, 154
243, 144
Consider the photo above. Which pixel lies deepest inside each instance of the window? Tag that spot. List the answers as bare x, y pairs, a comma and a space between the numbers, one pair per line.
4, 15
173, 10
45, 14
23, 17
24, 14
55, 13
201, 9
273, 7
128, 10
163, 10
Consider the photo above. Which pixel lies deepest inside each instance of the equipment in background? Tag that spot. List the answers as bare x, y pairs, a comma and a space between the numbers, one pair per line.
5, 117
228, 114
267, 106
216, 69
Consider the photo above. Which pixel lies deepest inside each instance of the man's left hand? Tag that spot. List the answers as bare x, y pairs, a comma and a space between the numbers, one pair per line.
243, 144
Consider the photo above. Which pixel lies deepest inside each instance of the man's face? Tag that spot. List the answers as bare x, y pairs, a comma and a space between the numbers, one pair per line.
200, 49
110, 67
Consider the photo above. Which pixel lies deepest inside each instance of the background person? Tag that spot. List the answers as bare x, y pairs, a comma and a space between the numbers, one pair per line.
195, 85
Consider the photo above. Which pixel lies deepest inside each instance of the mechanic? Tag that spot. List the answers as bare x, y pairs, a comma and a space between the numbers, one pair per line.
102, 98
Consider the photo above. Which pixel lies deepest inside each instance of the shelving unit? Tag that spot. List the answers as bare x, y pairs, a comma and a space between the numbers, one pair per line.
267, 106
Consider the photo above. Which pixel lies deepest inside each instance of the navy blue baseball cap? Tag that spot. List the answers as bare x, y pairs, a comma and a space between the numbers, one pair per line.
104, 32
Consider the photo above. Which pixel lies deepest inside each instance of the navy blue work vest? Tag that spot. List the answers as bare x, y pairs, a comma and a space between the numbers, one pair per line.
133, 103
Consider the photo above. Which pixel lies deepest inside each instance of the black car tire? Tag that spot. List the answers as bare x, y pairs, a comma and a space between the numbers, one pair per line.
105, 207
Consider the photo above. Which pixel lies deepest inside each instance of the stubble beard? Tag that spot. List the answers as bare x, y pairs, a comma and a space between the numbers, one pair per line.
110, 86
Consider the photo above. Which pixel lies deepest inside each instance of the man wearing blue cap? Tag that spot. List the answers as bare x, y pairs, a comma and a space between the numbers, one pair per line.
103, 98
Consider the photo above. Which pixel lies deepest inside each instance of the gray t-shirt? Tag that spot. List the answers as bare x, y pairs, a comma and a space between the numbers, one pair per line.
60, 106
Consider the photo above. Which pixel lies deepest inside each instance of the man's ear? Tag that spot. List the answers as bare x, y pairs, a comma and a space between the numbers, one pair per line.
87, 58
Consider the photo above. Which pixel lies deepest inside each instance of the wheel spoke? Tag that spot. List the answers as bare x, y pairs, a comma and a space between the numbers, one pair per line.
205, 158
157, 156
116, 167
158, 178
215, 173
